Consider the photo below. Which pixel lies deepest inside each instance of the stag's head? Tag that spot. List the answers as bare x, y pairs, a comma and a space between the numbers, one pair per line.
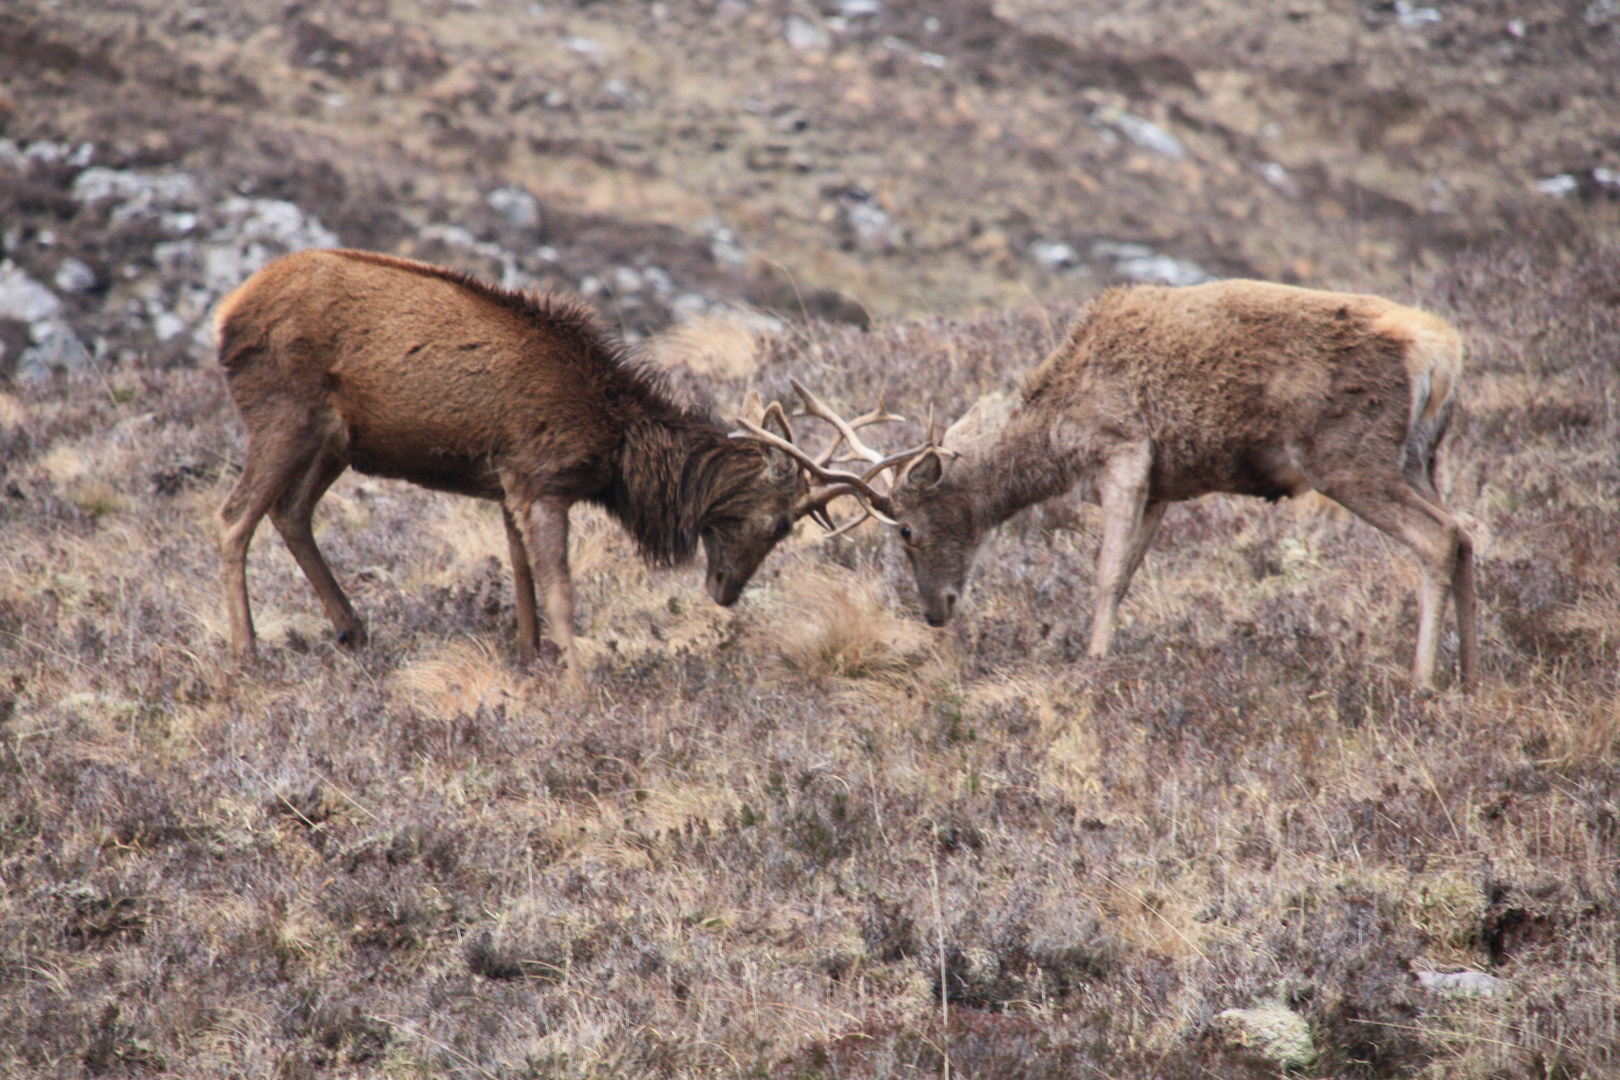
935, 511
757, 512
934, 520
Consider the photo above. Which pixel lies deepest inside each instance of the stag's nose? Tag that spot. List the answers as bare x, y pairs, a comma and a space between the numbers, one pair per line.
940, 614
724, 590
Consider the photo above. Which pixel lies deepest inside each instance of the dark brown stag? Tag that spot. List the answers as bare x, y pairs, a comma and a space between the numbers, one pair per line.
1165, 394
400, 369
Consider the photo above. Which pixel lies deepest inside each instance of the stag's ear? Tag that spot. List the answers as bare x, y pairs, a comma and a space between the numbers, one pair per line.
928, 471
781, 466
773, 421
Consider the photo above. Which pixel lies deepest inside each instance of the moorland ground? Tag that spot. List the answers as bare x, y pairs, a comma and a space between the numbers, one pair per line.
807, 836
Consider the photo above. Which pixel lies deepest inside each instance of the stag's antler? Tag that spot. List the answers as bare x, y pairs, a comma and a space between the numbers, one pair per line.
836, 481
813, 406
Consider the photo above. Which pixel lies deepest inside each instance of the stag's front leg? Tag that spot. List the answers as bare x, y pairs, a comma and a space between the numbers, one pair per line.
528, 621
543, 524
1128, 525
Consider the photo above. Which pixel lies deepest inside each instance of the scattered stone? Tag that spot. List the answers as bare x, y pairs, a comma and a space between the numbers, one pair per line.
658, 280
723, 245
1140, 263
24, 299
1144, 133
136, 193
873, 228
627, 281
1462, 983
1277, 176
1272, 1033
55, 347
688, 307
854, 8
1054, 254
804, 35
516, 205
1414, 17
75, 276
1557, 186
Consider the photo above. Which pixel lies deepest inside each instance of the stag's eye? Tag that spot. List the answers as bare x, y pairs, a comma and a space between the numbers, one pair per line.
780, 529
905, 533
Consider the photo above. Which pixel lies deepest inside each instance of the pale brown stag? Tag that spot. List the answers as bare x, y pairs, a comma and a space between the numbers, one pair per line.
401, 369
1164, 394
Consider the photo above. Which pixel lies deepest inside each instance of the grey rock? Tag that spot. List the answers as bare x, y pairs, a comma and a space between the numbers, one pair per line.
1163, 270
804, 35
74, 276
1140, 263
1144, 133
627, 281
57, 350
516, 205
874, 229
1462, 983
1557, 186
24, 299
1271, 1033
1414, 17
136, 192
1054, 254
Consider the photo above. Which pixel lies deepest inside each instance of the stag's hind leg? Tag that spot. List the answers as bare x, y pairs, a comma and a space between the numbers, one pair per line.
1444, 554
276, 457
294, 515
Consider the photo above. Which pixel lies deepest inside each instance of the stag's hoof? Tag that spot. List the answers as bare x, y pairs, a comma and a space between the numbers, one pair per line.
352, 637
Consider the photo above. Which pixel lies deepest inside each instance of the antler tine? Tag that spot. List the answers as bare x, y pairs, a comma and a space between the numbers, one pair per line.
848, 525
813, 406
775, 409
835, 481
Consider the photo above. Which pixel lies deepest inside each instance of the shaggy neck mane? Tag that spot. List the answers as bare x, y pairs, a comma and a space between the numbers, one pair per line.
675, 476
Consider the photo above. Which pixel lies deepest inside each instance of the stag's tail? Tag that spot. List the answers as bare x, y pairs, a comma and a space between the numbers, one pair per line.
1434, 354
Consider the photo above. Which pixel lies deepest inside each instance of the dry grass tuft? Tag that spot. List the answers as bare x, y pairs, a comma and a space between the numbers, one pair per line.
463, 678
835, 627
714, 346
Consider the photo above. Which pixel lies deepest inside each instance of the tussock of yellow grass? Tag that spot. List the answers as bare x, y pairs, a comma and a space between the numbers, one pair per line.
718, 345
465, 675
835, 627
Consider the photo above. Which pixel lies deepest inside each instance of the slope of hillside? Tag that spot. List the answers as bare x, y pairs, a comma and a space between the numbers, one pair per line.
807, 836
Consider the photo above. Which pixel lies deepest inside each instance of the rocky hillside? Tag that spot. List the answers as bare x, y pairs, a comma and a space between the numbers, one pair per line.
847, 159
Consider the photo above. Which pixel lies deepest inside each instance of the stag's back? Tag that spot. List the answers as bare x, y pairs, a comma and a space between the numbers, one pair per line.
432, 377
1224, 377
